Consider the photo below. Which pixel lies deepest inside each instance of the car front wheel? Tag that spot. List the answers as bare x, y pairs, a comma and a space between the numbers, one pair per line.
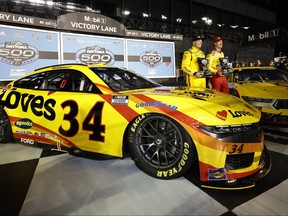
160, 146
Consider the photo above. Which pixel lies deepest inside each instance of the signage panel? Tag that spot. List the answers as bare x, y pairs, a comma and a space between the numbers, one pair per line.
24, 50
89, 49
153, 59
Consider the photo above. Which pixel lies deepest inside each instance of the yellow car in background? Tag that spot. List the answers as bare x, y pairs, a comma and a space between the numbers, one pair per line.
112, 112
265, 88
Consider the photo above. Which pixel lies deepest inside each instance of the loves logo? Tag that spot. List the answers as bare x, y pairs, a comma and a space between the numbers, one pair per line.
222, 114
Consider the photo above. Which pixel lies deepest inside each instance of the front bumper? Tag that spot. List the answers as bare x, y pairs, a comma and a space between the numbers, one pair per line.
243, 183
279, 120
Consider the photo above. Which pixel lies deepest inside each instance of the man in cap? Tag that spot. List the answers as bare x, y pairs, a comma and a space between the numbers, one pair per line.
215, 57
190, 65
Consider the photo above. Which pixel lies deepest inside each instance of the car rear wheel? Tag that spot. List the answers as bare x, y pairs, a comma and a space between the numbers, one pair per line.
160, 146
5, 127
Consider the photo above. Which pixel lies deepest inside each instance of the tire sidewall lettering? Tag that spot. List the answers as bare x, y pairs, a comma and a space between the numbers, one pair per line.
180, 165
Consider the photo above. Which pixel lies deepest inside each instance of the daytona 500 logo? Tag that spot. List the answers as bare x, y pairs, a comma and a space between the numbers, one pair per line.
18, 53
95, 55
151, 58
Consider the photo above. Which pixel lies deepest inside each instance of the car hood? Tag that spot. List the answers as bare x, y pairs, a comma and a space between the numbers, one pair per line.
207, 106
184, 92
263, 89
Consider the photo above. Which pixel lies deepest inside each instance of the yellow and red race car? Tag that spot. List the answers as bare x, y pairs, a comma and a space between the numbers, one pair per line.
108, 111
266, 89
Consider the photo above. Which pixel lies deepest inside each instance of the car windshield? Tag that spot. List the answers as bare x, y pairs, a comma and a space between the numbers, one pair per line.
260, 75
122, 80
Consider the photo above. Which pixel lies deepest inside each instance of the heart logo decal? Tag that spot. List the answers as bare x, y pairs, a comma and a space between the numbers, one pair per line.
222, 115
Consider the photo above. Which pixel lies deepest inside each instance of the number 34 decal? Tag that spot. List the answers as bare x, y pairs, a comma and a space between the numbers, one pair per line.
236, 149
92, 121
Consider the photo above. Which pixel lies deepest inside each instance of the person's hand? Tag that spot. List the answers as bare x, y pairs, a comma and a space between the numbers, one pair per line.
197, 75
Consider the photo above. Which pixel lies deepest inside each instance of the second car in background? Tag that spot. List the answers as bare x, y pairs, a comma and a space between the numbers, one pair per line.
265, 88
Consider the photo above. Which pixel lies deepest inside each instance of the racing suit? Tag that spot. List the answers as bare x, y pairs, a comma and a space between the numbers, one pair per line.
190, 67
218, 80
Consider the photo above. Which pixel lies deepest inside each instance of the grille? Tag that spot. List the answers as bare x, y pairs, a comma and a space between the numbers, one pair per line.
239, 161
281, 104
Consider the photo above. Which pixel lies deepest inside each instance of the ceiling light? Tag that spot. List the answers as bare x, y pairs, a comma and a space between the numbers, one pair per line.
126, 12
163, 17
145, 15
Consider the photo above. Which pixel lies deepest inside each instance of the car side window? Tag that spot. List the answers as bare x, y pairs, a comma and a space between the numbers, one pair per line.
31, 82
68, 80
58, 80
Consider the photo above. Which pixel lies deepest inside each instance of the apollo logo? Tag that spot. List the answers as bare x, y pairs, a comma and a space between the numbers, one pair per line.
24, 123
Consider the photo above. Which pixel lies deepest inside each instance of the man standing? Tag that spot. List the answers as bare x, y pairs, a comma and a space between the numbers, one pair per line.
190, 63
215, 66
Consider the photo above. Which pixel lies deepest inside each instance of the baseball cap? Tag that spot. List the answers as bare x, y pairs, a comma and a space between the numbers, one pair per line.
197, 37
216, 39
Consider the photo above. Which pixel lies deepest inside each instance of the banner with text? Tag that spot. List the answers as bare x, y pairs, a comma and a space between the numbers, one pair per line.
27, 20
91, 22
88, 49
24, 50
153, 59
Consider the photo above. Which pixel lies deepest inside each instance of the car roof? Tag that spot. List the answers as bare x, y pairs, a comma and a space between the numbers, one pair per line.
62, 66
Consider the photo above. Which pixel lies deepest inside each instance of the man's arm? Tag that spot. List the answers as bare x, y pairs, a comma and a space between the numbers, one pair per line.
185, 65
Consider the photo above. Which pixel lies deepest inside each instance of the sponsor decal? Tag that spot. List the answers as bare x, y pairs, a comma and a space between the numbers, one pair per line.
179, 166
217, 174
151, 58
137, 121
235, 114
27, 141
17, 72
222, 115
24, 123
157, 104
37, 104
95, 55
2, 33
17, 53
120, 99
37, 134
264, 35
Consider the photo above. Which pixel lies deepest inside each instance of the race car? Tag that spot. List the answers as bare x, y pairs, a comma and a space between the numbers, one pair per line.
264, 88
104, 111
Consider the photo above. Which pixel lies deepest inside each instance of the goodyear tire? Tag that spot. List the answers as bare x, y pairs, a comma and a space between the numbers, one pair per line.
160, 146
5, 127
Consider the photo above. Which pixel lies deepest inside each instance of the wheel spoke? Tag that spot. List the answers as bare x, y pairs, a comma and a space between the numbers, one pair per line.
159, 141
148, 132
